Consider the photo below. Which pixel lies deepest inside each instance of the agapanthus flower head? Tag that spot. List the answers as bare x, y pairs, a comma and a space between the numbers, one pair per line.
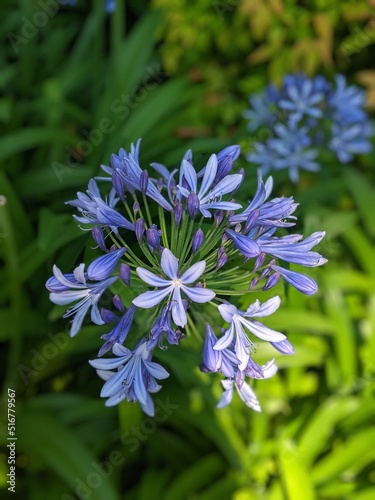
135, 378
306, 117
176, 252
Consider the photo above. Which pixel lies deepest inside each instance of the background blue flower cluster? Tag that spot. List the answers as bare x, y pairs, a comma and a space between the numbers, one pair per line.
305, 118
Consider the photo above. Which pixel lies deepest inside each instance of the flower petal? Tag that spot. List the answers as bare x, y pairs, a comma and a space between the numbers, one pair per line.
227, 311
209, 175
150, 299
169, 264
151, 278
261, 331
193, 273
178, 310
199, 295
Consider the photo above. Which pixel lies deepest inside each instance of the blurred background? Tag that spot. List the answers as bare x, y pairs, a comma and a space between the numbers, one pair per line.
78, 82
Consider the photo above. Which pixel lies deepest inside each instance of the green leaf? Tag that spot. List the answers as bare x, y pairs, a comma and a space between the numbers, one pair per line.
193, 479
344, 455
364, 196
43, 437
320, 427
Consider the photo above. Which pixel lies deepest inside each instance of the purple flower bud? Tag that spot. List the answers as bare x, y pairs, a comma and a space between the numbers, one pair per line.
193, 205
143, 181
117, 302
251, 220
265, 273
97, 234
198, 239
160, 184
259, 262
135, 207
125, 273
102, 267
238, 227
253, 283
224, 238
119, 180
284, 346
153, 235
139, 229
302, 283
107, 315
218, 217
222, 258
271, 282
223, 168
178, 211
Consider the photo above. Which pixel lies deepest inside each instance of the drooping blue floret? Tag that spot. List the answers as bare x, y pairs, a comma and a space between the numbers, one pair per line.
135, 377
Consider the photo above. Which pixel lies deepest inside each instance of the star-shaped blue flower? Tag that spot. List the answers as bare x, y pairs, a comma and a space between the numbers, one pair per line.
173, 287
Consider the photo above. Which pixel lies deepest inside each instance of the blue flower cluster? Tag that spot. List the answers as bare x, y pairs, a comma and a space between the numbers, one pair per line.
179, 246
304, 116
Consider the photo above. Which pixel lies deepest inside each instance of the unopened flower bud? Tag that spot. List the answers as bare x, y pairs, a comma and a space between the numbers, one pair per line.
198, 239
135, 207
178, 211
193, 205
117, 302
259, 262
271, 281
153, 235
251, 220
125, 273
143, 181
139, 229
218, 217
97, 234
107, 315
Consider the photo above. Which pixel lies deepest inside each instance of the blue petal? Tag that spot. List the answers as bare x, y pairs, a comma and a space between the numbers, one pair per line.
193, 273
151, 278
209, 175
150, 299
106, 363
67, 296
261, 331
226, 340
199, 295
156, 370
188, 171
302, 283
248, 247
169, 264
178, 310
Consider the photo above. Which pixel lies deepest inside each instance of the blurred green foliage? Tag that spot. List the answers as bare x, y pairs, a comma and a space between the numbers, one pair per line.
80, 87
237, 46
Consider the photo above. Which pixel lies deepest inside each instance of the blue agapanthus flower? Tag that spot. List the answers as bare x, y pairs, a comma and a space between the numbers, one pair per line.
177, 250
305, 117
